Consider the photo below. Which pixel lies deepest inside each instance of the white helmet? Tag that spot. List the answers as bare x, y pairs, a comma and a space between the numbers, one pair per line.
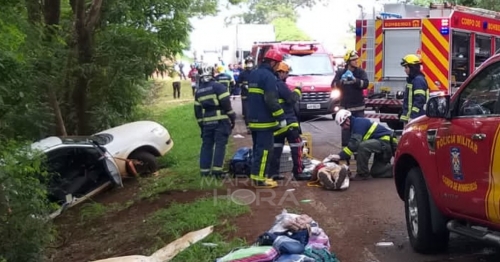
342, 116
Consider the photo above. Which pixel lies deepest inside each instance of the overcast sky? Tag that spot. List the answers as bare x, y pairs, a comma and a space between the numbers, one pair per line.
325, 24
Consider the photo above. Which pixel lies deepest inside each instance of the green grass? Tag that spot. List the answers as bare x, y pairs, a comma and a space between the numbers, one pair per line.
182, 173
177, 115
179, 219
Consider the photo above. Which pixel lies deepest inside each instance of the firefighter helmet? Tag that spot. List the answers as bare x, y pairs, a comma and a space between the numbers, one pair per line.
342, 116
248, 59
274, 55
410, 59
205, 70
220, 69
283, 67
350, 55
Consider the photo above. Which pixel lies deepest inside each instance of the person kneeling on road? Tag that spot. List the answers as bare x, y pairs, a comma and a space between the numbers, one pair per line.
291, 132
216, 118
367, 138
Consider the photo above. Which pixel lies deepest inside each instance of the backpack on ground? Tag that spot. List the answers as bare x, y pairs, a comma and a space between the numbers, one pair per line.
240, 163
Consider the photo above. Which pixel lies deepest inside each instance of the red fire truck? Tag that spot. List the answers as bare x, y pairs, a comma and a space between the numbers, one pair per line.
312, 67
451, 40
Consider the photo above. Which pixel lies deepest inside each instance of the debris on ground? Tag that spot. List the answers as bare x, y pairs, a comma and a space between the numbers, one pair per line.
292, 238
169, 251
384, 244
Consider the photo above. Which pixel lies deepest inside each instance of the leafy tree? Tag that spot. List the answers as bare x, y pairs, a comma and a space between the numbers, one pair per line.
72, 67
265, 11
287, 30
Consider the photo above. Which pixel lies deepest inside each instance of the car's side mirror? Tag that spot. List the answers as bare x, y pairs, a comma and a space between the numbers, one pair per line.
438, 107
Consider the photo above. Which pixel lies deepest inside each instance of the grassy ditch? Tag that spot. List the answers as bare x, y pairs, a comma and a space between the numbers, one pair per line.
182, 173
194, 216
145, 216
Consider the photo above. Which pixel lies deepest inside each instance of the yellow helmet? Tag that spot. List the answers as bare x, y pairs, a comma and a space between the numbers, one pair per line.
410, 59
283, 67
350, 55
220, 69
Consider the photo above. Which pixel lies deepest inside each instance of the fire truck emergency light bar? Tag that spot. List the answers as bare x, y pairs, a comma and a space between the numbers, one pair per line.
287, 42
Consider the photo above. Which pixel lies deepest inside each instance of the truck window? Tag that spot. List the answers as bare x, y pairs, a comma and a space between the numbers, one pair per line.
315, 64
481, 95
497, 45
482, 50
460, 56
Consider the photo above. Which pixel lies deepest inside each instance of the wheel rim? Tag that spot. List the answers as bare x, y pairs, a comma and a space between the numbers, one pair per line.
412, 211
143, 168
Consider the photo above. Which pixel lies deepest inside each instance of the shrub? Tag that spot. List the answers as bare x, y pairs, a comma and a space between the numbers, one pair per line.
24, 207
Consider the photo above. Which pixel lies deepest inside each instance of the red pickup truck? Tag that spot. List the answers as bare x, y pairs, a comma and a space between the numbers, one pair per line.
447, 165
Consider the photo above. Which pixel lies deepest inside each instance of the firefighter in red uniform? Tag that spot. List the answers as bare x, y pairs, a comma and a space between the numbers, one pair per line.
366, 138
417, 90
291, 132
265, 116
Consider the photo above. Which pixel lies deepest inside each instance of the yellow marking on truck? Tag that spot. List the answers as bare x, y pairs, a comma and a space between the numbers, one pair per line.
492, 202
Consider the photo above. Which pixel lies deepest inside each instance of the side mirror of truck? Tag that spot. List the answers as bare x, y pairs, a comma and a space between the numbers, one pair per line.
438, 107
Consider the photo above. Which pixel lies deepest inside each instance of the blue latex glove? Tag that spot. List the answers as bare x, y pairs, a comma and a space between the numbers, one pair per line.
347, 74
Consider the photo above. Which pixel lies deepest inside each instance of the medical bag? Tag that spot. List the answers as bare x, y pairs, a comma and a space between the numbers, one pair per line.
240, 163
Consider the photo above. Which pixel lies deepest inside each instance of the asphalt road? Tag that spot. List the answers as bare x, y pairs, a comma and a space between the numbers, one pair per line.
370, 212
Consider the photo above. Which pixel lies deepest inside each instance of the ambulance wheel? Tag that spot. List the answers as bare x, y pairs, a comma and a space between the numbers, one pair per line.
418, 217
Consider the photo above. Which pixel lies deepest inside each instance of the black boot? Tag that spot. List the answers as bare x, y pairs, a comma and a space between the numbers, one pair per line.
302, 176
278, 177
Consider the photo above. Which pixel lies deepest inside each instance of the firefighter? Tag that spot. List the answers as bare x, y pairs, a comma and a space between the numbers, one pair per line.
216, 119
291, 132
243, 82
265, 116
417, 90
351, 80
367, 138
222, 77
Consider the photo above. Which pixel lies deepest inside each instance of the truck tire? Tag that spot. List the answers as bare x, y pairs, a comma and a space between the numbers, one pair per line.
148, 163
418, 217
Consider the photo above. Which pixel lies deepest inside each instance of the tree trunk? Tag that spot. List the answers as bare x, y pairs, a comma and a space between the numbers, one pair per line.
84, 28
51, 15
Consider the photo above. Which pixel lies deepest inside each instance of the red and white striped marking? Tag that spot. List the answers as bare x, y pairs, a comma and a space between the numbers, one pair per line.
383, 101
382, 116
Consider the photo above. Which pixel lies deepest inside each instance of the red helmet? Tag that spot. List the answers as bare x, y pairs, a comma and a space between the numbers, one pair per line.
274, 55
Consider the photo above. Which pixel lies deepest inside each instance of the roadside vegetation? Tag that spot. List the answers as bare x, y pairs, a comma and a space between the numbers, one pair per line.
155, 210
75, 68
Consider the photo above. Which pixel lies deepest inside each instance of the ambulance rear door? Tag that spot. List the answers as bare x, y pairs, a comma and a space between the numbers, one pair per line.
398, 42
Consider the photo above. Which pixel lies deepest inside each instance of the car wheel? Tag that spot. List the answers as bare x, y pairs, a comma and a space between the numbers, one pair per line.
146, 163
418, 217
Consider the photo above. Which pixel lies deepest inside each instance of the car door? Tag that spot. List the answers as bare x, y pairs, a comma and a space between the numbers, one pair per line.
111, 167
464, 147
